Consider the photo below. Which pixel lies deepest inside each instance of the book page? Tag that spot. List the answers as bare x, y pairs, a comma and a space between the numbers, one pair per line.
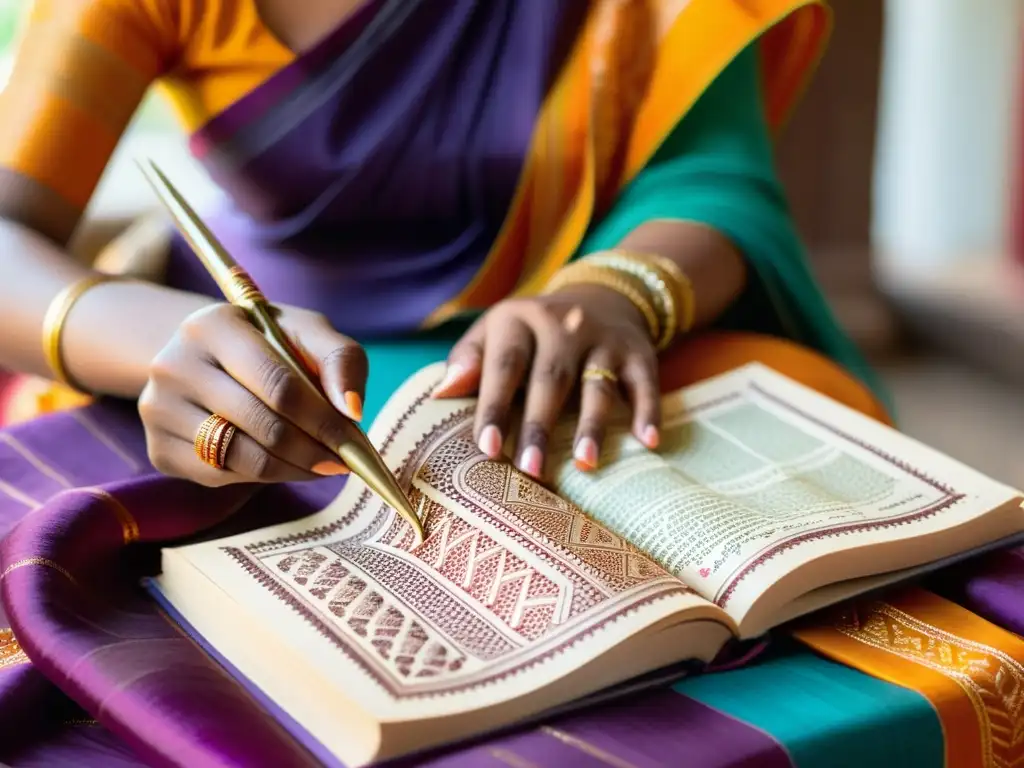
757, 476
512, 588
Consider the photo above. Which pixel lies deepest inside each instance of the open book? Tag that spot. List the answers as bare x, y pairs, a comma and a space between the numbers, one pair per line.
766, 501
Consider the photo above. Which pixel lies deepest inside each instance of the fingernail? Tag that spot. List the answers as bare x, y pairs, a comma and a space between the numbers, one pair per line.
532, 461
585, 454
651, 437
330, 469
454, 372
490, 441
354, 405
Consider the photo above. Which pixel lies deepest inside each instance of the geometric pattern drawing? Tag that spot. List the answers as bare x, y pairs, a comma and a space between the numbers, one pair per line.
620, 564
518, 595
508, 573
377, 619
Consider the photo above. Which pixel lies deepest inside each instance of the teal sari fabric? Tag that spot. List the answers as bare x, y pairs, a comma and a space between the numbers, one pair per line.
825, 715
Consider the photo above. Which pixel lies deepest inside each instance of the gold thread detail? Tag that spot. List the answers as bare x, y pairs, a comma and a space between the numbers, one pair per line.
127, 521
38, 561
106, 440
32, 458
19, 496
80, 721
586, 747
508, 757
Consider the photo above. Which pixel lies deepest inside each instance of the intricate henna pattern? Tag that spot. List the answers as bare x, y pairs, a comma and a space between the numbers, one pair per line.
508, 575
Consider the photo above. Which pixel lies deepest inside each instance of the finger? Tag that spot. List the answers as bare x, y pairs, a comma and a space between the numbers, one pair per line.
640, 378
552, 377
245, 458
600, 393
507, 352
175, 457
343, 368
247, 358
465, 363
224, 396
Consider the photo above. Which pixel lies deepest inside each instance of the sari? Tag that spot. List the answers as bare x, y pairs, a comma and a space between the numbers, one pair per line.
93, 673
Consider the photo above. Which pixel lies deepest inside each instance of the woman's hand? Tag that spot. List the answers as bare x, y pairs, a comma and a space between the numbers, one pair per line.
217, 362
546, 344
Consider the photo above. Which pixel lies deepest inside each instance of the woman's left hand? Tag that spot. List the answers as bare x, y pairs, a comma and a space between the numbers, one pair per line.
546, 344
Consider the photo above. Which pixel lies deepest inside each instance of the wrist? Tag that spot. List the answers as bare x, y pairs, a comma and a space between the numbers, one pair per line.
116, 328
597, 298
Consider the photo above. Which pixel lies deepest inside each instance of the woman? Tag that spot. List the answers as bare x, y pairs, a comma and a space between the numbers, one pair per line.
499, 186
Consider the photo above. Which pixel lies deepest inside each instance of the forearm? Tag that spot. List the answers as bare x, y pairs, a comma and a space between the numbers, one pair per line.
110, 334
715, 268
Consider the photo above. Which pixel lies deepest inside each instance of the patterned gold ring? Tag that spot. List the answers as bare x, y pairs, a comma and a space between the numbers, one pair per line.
212, 440
593, 373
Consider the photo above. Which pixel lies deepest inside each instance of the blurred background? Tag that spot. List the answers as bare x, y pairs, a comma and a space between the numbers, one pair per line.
905, 169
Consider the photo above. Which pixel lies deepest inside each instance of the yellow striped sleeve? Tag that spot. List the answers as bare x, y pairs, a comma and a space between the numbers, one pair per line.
80, 71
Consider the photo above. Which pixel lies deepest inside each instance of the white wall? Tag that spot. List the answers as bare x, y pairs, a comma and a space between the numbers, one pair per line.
946, 129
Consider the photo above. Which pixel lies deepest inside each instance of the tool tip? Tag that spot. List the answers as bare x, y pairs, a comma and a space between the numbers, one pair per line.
405, 509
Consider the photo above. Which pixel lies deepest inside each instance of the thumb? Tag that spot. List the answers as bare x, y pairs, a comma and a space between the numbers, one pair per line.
341, 365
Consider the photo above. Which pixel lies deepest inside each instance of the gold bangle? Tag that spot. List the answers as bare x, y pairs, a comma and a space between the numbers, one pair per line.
630, 287
686, 296
658, 281
53, 326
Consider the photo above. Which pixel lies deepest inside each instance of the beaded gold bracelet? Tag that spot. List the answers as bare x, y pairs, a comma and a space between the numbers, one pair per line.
669, 286
629, 286
655, 280
53, 326
686, 297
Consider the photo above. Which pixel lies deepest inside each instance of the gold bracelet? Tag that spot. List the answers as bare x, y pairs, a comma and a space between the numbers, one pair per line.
53, 326
659, 283
630, 287
673, 279
685, 295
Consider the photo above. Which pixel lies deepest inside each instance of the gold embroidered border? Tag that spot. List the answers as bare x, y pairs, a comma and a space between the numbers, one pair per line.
129, 526
11, 652
39, 561
510, 758
586, 747
80, 721
992, 680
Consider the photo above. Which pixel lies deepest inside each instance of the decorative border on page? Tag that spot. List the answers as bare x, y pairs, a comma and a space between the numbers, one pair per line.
337, 639
728, 589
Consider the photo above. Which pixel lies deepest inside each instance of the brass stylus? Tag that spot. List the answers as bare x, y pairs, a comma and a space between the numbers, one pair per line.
238, 288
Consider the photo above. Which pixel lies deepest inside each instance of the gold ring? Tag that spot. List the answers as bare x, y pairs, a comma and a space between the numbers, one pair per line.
212, 440
593, 373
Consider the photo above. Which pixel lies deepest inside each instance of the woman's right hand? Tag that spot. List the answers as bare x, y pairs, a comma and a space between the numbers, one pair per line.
217, 362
